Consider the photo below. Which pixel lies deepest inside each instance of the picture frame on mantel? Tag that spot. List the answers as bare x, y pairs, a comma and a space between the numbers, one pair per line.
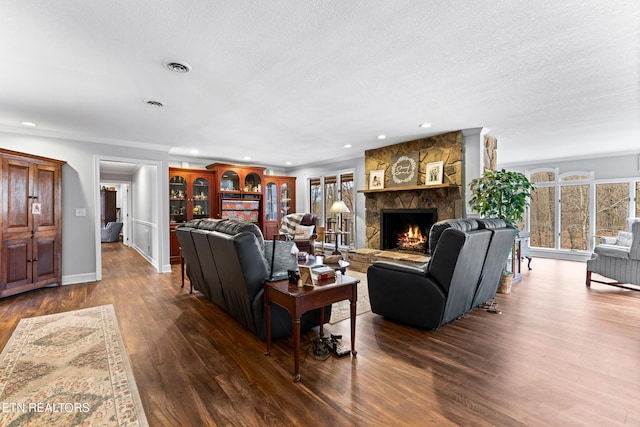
434, 173
376, 180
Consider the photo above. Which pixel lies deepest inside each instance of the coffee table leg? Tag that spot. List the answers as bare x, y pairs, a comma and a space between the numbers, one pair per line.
353, 326
296, 349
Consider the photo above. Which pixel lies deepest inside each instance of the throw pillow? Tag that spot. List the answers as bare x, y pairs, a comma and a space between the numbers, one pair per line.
624, 238
303, 232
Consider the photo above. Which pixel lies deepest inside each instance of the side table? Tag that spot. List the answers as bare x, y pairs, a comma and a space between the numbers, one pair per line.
298, 301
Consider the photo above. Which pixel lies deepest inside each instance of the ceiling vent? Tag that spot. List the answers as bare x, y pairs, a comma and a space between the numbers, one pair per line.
177, 67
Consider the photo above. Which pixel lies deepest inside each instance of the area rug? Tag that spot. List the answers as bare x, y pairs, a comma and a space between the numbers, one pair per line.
68, 369
341, 310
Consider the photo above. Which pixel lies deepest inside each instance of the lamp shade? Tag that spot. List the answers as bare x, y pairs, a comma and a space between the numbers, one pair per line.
339, 207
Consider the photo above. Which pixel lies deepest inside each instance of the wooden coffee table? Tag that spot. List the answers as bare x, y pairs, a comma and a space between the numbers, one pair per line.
298, 301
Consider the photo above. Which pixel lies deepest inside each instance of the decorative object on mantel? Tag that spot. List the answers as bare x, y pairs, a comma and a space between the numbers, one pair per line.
404, 169
434, 173
376, 179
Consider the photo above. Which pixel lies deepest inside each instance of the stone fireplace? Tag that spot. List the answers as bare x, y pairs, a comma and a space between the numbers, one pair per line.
431, 203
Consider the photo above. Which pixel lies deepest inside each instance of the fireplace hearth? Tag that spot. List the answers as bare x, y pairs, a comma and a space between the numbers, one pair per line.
406, 229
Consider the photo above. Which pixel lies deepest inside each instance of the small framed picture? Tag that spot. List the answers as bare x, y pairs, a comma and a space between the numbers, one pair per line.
306, 279
434, 173
376, 179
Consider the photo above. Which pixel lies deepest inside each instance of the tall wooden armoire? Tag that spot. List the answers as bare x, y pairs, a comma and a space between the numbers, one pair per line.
30, 222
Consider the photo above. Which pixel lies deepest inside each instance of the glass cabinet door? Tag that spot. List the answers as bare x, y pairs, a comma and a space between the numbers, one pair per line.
200, 198
285, 199
177, 199
252, 183
229, 181
271, 202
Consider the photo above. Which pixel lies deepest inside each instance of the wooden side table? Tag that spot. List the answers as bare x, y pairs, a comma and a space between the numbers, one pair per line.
298, 301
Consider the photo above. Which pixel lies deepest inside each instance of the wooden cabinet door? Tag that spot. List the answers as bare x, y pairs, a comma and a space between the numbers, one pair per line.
16, 265
16, 201
45, 258
44, 189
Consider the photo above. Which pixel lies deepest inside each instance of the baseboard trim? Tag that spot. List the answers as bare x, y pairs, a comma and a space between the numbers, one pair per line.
79, 278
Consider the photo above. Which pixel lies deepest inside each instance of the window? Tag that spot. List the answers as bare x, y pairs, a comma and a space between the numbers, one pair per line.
543, 217
637, 199
612, 207
323, 191
543, 209
315, 196
574, 217
569, 212
348, 219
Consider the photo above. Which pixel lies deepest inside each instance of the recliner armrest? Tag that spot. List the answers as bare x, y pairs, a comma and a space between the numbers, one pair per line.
420, 270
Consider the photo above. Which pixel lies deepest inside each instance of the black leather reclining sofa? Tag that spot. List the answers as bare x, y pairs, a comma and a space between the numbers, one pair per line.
228, 261
468, 257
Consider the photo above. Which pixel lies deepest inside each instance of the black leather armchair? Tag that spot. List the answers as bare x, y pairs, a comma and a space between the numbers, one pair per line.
464, 271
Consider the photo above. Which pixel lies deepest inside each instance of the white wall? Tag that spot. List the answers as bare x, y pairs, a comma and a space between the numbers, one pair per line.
144, 215
80, 190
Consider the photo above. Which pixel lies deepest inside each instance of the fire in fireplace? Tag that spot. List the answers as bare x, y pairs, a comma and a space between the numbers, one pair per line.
412, 240
406, 229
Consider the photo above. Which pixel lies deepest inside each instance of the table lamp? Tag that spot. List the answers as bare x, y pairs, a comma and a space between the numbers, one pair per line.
338, 207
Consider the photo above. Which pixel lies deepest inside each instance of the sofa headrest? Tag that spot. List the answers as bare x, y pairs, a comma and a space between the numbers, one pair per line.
491, 223
190, 224
465, 225
233, 227
210, 224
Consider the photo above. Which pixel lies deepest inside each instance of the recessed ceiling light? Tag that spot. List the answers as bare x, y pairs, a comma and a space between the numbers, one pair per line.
177, 67
194, 151
348, 146
382, 136
288, 163
30, 124
246, 158
154, 103
425, 125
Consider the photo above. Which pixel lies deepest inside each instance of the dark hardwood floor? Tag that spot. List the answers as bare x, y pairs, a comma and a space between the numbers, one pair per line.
559, 354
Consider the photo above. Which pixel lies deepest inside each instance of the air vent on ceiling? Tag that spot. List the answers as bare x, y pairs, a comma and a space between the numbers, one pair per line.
177, 67
155, 103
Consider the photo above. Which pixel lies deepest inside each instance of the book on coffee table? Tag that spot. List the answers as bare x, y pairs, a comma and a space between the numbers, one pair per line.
323, 272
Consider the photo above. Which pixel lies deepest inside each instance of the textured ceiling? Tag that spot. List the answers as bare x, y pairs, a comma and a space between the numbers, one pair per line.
297, 80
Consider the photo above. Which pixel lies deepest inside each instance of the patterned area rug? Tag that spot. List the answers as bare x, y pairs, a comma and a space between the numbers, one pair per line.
68, 369
340, 310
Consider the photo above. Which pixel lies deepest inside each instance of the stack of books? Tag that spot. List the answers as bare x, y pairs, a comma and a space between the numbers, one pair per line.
322, 272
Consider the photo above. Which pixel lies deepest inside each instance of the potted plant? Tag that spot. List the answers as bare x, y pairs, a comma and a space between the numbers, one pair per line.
501, 194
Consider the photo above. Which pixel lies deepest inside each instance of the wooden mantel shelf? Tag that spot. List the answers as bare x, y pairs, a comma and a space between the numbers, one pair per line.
407, 188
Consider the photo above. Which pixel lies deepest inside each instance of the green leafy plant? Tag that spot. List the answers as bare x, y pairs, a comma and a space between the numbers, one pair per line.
502, 194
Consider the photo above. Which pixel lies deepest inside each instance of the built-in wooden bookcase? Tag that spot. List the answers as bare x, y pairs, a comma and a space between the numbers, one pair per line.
240, 192
191, 196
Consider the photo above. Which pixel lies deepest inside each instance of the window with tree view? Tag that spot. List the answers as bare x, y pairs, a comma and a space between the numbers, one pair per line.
323, 191
612, 207
543, 210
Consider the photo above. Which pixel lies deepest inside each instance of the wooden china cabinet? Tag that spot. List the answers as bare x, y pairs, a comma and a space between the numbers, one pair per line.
191, 196
279, 200
240, 190
30, 222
